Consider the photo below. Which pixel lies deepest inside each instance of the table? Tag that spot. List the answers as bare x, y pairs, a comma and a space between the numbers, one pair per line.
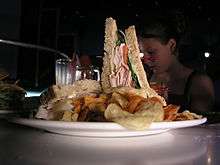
187, 146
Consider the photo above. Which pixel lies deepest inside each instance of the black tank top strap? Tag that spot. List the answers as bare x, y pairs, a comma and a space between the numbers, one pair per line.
187, 88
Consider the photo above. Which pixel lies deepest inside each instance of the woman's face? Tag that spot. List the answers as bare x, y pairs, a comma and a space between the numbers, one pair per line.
158, 56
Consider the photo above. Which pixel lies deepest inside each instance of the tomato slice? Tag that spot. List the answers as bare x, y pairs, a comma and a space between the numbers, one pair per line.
125, 54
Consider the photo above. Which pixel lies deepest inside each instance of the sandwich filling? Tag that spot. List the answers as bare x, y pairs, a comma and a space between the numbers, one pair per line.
122, 73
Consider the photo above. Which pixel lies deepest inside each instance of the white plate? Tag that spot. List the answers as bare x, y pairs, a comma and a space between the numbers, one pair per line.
103, 129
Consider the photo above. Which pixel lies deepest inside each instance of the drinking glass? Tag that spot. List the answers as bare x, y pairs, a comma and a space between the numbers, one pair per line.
86, 72
64, 72
161, 88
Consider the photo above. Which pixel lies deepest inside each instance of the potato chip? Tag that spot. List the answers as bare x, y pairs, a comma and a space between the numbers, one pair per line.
134, 122
62, 105
119, 99
67, 116
77, 104
58, 108
152, 110
134, 100
187, 115
137, 121
170, 112
97, 106
115, 111
171, 108
88, 100
133, 91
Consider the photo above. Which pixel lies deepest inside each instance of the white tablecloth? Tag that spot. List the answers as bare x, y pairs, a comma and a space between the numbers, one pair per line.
28, 146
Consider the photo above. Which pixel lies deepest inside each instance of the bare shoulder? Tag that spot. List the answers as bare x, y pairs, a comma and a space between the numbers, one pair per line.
201, 92
201, 81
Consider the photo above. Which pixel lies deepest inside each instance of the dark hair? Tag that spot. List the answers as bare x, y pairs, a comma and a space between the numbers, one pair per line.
162, 26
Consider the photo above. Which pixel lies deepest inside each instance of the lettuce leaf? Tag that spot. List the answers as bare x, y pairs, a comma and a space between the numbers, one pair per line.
134, 76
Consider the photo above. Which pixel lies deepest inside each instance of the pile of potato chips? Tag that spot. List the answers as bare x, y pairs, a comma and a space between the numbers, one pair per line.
129, 107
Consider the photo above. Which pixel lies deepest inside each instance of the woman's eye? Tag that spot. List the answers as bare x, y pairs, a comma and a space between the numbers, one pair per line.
150, 52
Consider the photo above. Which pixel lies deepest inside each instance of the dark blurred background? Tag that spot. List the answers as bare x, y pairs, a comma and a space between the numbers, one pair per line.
78, 26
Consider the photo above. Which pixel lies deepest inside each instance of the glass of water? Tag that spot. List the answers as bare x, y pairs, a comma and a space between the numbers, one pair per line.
86, 72
64, 72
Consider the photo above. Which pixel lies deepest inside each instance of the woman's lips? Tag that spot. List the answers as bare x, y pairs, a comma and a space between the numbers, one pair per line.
152, 67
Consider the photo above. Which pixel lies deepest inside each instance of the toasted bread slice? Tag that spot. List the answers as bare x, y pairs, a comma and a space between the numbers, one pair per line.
111, 38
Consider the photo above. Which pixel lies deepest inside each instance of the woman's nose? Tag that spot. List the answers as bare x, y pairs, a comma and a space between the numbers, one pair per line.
145, 59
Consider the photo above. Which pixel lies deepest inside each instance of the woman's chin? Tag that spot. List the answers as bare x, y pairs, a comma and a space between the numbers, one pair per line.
157, 71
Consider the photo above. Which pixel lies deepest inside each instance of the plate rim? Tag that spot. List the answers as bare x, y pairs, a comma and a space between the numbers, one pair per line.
104, 125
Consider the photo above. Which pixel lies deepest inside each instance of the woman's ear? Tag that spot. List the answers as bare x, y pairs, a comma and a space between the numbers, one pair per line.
172, 44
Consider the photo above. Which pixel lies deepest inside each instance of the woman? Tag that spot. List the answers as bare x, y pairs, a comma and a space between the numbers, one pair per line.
159, 41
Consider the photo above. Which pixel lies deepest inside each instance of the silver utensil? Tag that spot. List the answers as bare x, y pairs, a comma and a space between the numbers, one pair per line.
26, 45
